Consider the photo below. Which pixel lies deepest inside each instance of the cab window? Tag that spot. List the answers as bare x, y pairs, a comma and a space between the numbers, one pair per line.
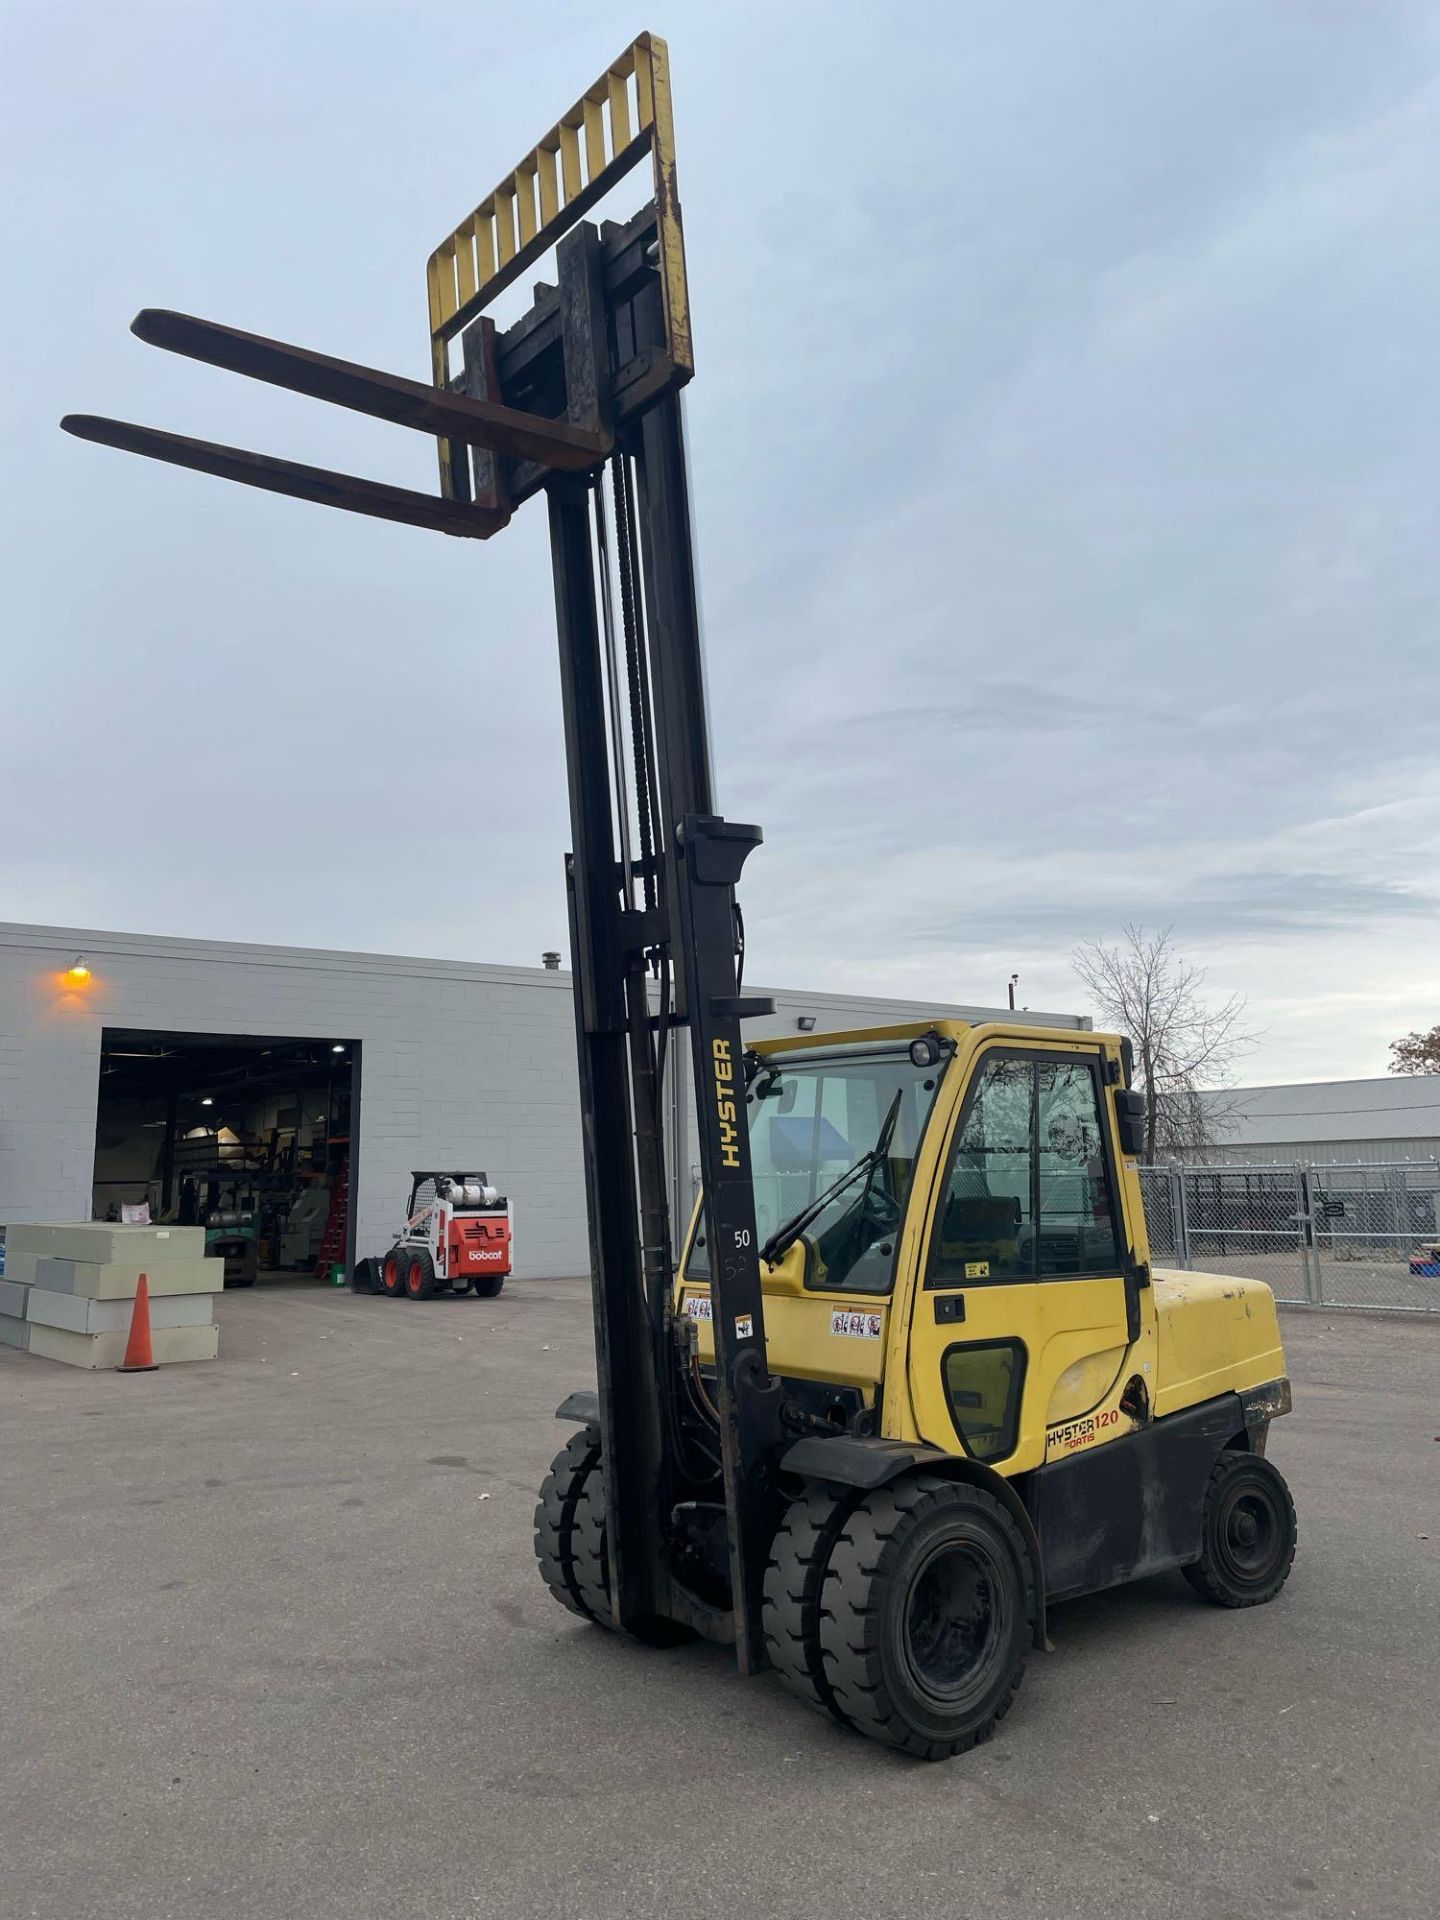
1029, 1194
812, 1119
1077, 1223
986, 1224
983, 1380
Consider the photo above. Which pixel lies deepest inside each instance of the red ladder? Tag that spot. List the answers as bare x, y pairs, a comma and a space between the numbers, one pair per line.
332, 1241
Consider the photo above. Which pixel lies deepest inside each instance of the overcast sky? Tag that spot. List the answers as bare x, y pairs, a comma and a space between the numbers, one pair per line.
1064, 436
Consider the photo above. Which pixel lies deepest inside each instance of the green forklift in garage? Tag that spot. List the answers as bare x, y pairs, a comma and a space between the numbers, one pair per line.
909, 1377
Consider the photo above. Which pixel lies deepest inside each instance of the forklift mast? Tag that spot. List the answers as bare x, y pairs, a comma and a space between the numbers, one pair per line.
580, 398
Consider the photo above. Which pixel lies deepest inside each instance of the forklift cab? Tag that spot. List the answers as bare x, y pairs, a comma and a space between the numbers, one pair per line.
982, 1281
986, 1289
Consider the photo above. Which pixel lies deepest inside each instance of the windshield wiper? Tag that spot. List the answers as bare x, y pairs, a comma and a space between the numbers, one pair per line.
785, 1235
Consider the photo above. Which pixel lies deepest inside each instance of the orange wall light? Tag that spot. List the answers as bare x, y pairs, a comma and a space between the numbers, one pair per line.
79, 974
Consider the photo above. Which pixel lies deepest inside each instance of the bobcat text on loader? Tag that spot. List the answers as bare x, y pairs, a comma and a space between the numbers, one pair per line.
912, 1378
456, 1236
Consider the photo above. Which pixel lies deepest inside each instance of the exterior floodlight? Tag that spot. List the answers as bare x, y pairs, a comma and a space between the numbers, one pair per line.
79, 973
925, 1052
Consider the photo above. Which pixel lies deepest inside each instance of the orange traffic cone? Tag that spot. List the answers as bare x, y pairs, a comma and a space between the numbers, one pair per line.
139, 1351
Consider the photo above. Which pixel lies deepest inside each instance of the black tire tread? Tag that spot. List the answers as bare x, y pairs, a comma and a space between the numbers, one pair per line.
589, 1581
848, 1637
427, 1264
590, 1560
487, 1285
1205, 1575
794, 1579
560, 1492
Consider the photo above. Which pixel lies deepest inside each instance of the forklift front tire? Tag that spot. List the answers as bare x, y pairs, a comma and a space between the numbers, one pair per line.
794, 1581
591, 1559
419, 1275
1247, 1533
577, 1462
927, 1615
392, 1273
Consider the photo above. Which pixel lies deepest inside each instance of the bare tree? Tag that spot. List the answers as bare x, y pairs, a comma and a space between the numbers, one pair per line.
1416, 1053
1183, 1043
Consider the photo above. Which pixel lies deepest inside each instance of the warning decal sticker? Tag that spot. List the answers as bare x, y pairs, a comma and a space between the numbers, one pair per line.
856, 1326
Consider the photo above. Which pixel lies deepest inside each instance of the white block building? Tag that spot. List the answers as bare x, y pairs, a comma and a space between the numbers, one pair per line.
131, 1064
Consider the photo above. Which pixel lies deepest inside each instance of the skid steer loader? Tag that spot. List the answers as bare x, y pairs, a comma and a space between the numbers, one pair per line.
912, 1378
456, 1235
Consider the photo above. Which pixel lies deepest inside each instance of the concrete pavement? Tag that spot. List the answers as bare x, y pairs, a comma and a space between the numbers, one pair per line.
274, 1646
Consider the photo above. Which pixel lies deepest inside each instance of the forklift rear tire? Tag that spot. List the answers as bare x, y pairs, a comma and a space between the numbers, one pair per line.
1247, 1533
560, 1493
487, 1285
927, 1615
392, 1273
794, 1579
419, 1274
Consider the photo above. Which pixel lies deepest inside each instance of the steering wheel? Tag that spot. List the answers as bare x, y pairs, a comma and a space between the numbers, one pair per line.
880, 1211
873, 1217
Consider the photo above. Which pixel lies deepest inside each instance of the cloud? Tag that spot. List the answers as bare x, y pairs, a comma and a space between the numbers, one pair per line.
1063, 450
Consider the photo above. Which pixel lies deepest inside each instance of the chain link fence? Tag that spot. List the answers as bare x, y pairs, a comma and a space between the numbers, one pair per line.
1333, 1236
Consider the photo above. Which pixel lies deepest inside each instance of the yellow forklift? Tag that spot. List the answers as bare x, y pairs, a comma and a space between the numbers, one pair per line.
911, 1378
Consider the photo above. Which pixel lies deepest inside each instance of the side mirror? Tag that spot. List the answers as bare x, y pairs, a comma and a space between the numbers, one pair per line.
1130, 1112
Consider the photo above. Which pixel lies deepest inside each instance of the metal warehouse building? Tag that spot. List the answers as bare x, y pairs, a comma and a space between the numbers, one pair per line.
1350, 1122
302, 1087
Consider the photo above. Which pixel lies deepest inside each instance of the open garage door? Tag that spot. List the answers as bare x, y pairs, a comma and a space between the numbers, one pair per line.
249, 1137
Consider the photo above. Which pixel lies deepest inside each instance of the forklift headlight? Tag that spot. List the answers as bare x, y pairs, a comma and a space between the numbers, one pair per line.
925, 1052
